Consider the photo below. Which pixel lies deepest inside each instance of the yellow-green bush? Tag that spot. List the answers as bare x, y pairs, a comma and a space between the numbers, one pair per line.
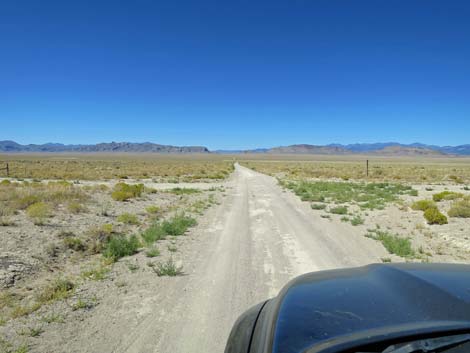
433, 216
128, 218
39, 211
124, 192
447, 195
423, 205
460, 209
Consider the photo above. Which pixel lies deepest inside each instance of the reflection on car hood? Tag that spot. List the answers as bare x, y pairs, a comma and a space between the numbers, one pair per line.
319, 307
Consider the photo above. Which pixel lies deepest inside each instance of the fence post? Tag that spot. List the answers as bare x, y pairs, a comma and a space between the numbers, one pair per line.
367, 168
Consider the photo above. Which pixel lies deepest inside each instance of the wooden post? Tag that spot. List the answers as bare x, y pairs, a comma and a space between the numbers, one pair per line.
8, 170
367, 168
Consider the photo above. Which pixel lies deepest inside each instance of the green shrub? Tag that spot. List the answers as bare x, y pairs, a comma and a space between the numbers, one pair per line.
120, 246
460, 209
339, 210
357, 220
423, 205
446, 195
433, 216
38, 211
393, 243
318, 206
128, 218
168, 268
124, 192
152, 234
178, 224
184, 191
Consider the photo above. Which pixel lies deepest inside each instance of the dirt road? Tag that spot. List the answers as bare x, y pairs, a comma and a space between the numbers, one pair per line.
254, 243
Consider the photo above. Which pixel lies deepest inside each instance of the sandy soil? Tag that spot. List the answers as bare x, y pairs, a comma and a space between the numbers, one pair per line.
242, 251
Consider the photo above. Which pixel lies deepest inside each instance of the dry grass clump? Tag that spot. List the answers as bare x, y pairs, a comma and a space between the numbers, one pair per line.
460, 209
59, 289
98, 237
40, 199
76, 207
128, 218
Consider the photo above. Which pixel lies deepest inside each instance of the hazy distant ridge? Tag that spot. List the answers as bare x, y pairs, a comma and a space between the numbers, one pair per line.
11, 146
381, 148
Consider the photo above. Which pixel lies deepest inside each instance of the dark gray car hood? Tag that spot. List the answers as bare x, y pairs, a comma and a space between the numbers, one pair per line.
328, 309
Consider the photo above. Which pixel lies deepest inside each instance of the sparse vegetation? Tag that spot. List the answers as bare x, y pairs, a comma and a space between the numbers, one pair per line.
53, 318
460, 209
97, 273
178, 224
120, 246
168, 268
318, 206
434, 216
393, 243
98, 237
447, 195
90, 167
342, 210
172, 248
367, 196
74, 243
39, 211
60, 289
184, 191
124, 192
152, 234
357, 220
153, 210
152, 252
423, 205
128, 218
76, 207
352, 168
81, 304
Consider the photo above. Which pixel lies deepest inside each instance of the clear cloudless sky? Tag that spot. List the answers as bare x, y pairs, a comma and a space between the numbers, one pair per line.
235, 74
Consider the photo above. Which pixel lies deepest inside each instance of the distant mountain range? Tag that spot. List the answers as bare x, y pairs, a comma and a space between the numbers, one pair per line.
388, 148
11, 146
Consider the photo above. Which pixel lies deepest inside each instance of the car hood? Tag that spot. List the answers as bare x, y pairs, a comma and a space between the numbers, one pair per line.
325, 310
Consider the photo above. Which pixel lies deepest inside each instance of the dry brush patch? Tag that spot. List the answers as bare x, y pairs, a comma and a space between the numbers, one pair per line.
161, 168
416, 170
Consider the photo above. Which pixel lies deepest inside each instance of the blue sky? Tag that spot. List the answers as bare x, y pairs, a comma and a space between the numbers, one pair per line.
235, 74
